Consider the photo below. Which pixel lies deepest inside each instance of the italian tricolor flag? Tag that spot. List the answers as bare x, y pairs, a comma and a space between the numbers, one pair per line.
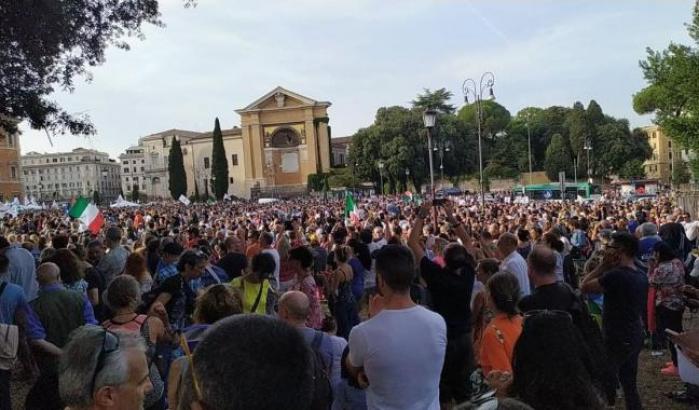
89, 215
351, 208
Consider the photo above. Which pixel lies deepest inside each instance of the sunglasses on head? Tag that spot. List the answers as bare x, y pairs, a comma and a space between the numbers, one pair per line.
110, 344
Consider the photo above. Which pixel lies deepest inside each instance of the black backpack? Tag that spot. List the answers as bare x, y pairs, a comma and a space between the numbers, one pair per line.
322, 388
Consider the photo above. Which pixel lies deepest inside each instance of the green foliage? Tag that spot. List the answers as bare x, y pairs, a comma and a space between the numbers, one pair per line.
558, 158
47, 45
436, 100
680, 172
632, 169
176, 174
219, 164
672, 93
317, 182
617, 145
134, 193
494, 118
96, 197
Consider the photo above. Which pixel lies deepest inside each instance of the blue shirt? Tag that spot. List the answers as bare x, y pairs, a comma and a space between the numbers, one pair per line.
22, 270
165, 271
12, 302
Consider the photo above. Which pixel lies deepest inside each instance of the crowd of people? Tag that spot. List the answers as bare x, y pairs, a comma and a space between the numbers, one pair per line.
297, 304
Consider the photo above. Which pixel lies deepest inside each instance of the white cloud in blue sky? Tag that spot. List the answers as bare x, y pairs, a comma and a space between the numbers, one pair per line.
364, 54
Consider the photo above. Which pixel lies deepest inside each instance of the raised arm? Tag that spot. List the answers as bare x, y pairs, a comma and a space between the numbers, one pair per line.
414, 238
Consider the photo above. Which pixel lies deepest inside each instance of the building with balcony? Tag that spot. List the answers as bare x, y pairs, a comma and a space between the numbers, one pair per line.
10, 167
65, 175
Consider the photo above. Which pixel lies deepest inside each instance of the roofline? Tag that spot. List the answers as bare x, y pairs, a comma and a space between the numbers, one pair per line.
308, 101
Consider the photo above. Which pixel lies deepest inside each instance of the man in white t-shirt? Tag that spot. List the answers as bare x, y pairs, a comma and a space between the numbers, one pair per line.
513, 262
399, 352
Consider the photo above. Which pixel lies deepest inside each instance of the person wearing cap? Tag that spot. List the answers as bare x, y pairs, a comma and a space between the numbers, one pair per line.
167, 267
648, 237
114, 260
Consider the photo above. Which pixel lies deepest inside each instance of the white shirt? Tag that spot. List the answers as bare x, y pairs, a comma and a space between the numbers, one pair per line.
691, 229
402, 353
516, 265
277, 261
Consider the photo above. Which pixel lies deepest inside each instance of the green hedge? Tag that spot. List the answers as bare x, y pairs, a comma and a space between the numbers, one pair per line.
316, 182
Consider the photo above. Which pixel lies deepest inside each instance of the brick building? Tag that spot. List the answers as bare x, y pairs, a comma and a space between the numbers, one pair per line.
10, 180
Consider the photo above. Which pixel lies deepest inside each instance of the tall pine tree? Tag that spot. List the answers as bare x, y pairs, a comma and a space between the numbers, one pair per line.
175, 168
219, 164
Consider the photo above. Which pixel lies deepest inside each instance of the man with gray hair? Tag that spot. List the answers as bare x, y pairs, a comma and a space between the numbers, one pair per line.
648, 237
512, 261
114, 261
100, 369
60, 311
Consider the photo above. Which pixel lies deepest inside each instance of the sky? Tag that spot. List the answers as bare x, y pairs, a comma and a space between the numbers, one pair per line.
362, 55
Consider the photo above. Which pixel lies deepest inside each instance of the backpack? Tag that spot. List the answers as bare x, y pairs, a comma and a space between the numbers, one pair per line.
602, 375
322, 388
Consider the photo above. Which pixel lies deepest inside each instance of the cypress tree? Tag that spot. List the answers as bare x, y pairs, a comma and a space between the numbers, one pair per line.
219, 164
175, 167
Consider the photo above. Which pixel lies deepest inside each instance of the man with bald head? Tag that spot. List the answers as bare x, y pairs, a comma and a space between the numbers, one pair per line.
294, 308
60, 311
549, 292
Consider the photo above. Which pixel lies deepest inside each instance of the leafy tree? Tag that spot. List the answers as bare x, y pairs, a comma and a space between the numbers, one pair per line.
219, 164
45, 45
617, 146
134, 193
494, 117
175, 167
96, 197
680, 172
558, 158
579, 131
632, 169
673, 90
437, 100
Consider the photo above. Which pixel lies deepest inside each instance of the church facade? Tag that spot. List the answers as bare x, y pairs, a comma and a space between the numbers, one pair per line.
282, 138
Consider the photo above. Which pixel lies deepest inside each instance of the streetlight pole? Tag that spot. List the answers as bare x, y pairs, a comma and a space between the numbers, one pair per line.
470, 86
588, 148
407, 177
429, 117
441, 148
381, 164
529, 141
354, 180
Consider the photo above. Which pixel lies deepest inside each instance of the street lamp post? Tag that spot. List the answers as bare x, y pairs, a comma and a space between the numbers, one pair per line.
441, 148
381, 165
354, 180
470, 86
529, 141
407, 178
429, 117
588, 148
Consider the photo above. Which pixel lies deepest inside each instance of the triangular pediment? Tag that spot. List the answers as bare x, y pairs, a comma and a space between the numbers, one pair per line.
280, 98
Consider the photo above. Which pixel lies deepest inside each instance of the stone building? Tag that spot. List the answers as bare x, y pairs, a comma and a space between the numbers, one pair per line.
283, 137
65, 175
10, 167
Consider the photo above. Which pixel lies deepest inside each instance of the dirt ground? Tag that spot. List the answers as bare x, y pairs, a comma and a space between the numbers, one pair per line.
651, 384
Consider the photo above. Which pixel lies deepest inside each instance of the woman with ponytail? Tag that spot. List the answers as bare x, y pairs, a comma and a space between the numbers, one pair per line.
502, 332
